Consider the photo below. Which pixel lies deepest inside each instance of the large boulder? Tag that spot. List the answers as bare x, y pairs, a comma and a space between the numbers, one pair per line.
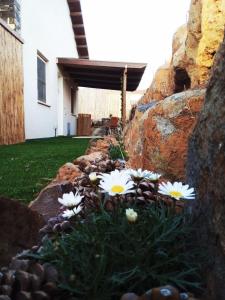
19, 227
205, 171
157, 138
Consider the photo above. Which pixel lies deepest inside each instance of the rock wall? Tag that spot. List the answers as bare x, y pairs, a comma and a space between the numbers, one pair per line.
205, 33
205, 171
194, 48
161, 134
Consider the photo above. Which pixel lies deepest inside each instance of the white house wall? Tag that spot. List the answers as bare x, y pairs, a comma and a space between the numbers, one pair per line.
68, 118
46, 27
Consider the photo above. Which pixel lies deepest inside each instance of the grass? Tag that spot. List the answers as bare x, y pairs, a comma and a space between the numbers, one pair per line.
26, 168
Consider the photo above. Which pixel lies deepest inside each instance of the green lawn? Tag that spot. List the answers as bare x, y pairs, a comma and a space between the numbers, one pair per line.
26, 168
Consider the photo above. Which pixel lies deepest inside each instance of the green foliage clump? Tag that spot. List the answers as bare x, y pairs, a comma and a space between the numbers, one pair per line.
105, 255
117, 152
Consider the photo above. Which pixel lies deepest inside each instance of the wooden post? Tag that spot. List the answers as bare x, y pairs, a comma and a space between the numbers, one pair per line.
123, 102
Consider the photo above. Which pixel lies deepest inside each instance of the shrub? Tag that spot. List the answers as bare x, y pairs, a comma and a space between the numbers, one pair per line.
105, 255
117, 152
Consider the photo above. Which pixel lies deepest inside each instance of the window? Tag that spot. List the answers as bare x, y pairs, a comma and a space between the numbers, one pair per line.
41, 79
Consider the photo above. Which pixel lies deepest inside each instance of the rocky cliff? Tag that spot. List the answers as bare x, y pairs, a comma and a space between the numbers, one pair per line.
185, 78
205, 171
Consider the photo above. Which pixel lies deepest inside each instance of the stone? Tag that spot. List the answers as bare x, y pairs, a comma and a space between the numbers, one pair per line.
87, 160
22, 295
161, 134
40, 295
51, 274
23, 280
19, 228
5, 290
4, 297
205, 172
130, 296
162, 85
68, 172
101, 145
46, 204
162, 293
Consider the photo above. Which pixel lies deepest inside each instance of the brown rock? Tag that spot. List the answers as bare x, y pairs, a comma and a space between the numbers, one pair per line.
51, 274
40, 295
162, 293
68, 172
23, 279
102, 145
5, 290
129, 296
4, 297
19, 228
162, 85
205, 171
23, 296
87, 160
38, 270
161, 134
47, 203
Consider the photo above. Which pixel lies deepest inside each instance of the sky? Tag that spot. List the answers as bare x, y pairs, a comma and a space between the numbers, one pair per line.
133, 31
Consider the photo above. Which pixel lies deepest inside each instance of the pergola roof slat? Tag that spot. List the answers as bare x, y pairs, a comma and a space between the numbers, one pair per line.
102, 74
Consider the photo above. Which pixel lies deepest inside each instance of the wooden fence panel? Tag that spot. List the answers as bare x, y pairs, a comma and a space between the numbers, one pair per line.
11, 88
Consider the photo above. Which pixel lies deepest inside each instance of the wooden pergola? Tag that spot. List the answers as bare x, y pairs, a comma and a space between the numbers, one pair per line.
104, 75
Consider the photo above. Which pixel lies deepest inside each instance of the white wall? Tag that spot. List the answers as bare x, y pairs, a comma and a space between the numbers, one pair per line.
46, 26
101, 103
67, 116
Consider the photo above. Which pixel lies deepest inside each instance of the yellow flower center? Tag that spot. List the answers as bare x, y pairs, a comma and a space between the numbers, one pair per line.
175, 194
117, 189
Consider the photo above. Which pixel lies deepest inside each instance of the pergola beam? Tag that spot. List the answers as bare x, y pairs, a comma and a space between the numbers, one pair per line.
124, 99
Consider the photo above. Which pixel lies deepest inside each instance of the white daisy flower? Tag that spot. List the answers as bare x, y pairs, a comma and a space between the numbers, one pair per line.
116, 183
176, 190
153, 176
139, 174
93, 176
68, 213
131, 215
69, 199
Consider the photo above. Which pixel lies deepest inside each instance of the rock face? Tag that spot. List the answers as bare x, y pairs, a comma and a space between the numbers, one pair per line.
162, 85
161, 134
205, 33
194, 48
205, 171
153, 139
19, 228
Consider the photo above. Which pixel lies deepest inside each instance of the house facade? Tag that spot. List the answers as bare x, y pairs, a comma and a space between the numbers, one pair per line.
55, 62
48, 96
49, 29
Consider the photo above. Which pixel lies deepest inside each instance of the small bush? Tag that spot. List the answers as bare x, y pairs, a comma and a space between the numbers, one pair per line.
117, 152
105, 255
